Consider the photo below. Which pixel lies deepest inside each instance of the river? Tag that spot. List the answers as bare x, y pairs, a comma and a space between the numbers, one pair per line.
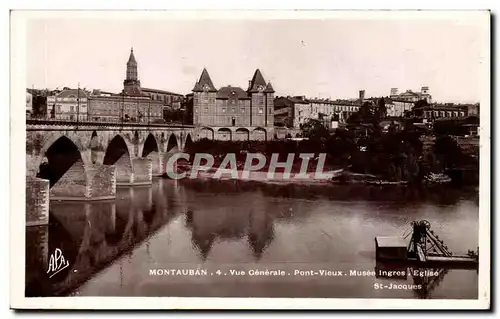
218, 238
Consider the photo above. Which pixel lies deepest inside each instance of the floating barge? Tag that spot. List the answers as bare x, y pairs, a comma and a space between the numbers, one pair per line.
424, 248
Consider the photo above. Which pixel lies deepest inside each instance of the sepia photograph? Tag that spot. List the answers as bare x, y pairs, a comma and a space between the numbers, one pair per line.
339, 158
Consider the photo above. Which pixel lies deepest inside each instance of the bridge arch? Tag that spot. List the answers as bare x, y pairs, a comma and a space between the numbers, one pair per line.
151, 151
206, 132
188, 143
242, 134
60, 158
118, 154
224, 134
259, 134
94, 147
172, 144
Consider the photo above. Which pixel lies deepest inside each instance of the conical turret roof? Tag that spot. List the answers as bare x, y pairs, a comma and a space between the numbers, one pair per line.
257, 80
205, 83
269, 88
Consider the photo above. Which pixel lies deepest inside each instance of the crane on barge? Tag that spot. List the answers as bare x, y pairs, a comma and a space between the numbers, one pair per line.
424, 248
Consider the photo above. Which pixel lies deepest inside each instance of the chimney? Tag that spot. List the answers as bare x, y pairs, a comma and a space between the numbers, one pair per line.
362, 95
394, 91
249, 84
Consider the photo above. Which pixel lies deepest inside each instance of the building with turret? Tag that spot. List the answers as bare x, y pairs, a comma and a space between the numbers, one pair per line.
232, 113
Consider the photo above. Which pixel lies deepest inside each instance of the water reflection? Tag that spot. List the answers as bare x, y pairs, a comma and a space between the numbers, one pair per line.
227, 225
247, 224
92, 235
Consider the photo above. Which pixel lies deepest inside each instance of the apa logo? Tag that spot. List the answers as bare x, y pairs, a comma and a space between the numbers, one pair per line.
57, 263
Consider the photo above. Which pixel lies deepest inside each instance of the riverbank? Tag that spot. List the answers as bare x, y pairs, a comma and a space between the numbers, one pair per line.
311, 177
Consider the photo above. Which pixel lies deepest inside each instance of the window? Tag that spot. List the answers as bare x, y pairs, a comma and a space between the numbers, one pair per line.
260, 110
205, 109
196, 110
243, 110
72, 108
223, 110
233, 110
270, 111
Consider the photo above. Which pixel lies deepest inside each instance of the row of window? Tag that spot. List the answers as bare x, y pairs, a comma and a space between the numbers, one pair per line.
260, 110
164, 98
335, 108
429, 114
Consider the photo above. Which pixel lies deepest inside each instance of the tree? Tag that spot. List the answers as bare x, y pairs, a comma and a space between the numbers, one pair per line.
314, 129
420, 103
382, 109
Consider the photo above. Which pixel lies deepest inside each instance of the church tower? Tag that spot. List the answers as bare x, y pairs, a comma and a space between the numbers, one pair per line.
131, 84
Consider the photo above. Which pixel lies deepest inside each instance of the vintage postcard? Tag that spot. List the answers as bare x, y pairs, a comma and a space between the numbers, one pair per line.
250, 159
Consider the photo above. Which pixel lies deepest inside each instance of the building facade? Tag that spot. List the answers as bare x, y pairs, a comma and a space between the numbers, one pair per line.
231, 112
70, 104
294, 111
169, 100
120, 107
431, 112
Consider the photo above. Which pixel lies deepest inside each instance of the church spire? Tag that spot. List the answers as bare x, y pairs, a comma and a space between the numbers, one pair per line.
132, 85
132, 67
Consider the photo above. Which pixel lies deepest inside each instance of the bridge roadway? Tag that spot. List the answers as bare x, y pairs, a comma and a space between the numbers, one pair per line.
88, 160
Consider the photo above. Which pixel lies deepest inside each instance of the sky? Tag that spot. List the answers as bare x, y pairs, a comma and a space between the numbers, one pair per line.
325, 58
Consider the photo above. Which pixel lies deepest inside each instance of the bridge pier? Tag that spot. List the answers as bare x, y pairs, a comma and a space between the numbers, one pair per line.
80, 182
142, 171
37, 201
156, 163
135, 171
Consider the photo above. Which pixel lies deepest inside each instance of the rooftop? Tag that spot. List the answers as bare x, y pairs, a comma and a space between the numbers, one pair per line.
160, 91
231, 92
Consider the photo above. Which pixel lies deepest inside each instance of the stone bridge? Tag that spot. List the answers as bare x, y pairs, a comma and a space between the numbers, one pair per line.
86, 161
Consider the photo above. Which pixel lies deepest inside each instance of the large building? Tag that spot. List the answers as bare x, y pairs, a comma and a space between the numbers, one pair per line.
134, 103
411, 96
232, 113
